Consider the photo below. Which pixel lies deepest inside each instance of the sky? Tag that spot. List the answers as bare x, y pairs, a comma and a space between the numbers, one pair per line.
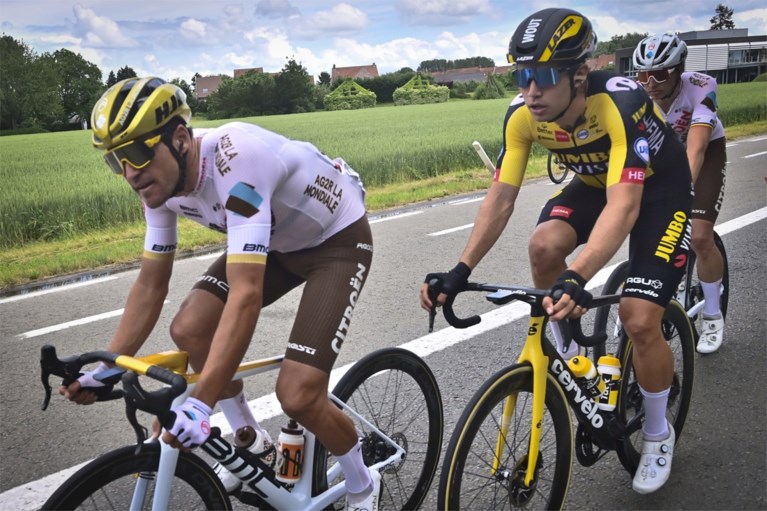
178, 38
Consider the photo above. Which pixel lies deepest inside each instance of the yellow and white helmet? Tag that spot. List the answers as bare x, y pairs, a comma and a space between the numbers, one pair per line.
136, 107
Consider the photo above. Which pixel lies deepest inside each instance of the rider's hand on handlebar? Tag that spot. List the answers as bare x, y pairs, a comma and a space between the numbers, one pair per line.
444, 284
568, 297
191, 427
78, 391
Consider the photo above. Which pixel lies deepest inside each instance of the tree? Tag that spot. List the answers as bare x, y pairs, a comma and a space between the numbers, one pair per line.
27, 87
294, 84
125, 72
111, 79
617, 42
324, 78
722, 20
78, 83
191, 98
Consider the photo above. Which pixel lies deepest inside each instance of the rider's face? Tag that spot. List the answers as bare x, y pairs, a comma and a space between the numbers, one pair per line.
546, 101
660, 87
156, 182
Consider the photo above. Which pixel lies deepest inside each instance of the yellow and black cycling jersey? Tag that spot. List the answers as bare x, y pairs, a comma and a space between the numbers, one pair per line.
621, 138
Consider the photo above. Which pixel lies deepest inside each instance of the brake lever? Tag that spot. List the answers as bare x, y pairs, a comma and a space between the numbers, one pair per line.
433, 294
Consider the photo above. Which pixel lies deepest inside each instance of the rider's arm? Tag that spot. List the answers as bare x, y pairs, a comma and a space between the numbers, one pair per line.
492, 217
235, 329
144, 304
611, 229
697, 143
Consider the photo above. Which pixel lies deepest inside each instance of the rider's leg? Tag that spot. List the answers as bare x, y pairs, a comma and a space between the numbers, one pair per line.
709, 263
548, 248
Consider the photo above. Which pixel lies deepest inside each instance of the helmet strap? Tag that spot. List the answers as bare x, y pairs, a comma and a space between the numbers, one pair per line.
167, 139
677, 86
573, 93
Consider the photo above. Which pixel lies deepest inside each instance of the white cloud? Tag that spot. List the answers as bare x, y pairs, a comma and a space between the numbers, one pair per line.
100, 31
440, 12
275, 8
193, 29
342, 19
754, 20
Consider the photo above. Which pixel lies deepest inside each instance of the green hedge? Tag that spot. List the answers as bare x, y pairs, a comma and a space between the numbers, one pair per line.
419, 91
350, 96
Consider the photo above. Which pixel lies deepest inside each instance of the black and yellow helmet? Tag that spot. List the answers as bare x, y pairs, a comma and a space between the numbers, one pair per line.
556, 36
136, 107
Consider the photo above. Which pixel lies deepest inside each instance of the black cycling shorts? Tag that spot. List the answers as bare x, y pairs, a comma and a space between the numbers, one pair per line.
658, 244
334, 273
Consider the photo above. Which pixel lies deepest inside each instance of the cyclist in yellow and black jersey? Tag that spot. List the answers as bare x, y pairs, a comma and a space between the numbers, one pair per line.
632, 178
620, 137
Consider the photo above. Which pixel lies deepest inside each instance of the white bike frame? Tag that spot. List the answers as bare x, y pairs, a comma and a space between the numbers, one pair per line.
279, 497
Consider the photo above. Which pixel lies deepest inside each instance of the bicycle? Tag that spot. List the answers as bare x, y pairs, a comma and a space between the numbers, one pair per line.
400, 431
689, 293
513, 444
556, 168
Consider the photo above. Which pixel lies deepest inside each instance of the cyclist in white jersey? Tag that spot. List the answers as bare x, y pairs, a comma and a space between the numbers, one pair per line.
688, 101
292, 216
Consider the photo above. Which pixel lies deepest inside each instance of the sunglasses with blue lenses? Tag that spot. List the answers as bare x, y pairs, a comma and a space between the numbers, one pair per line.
543, 76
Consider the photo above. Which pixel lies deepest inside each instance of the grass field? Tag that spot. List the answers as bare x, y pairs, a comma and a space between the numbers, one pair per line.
57, 188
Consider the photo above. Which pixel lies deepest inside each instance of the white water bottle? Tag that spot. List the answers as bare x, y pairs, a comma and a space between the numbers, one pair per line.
290, 447
609, 368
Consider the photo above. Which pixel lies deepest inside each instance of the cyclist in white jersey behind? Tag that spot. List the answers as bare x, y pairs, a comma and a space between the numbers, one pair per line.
688, 101
292, 216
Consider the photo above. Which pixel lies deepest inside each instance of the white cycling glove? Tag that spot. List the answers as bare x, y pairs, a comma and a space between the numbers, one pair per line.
87, 379
192, 424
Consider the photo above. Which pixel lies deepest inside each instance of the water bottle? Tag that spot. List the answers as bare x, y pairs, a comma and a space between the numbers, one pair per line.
291, 453
587, 375
609, 368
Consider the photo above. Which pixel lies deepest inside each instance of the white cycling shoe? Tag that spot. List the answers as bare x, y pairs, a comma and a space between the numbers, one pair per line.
712, 335
654, 464
370, 503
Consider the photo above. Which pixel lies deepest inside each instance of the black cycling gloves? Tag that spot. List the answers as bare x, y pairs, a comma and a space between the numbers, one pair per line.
451, 282
574, 285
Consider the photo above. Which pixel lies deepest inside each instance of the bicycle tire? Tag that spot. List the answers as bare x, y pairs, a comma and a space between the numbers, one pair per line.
108, 482
556, 169
679, 334
607, 317
396, 391
692, 282
466, 481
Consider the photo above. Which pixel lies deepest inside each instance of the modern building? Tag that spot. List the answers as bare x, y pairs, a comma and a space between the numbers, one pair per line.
730, 56
204, 86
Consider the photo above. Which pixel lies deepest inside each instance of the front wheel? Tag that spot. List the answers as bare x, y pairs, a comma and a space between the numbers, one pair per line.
395, 391
485, 464
556, 168
678, 333
115, 479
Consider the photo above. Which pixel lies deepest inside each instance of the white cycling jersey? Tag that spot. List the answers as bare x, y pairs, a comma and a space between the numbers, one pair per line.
265, 191
695, 104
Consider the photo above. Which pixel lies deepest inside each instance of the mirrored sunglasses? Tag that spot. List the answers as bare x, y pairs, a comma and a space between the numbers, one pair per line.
543, 76
658, 75
136, 153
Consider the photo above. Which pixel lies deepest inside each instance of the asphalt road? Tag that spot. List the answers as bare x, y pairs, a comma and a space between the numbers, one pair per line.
721, 459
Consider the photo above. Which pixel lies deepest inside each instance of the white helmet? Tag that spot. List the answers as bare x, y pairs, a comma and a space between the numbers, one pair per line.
659, 52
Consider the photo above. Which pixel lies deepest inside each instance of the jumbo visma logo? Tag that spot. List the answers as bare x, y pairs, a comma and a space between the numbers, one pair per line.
677, 234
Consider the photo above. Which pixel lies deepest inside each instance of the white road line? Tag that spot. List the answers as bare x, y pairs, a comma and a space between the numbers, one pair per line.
392, 217
453, 229
30, 496
209, 256
70, 324
55, 289
754, 155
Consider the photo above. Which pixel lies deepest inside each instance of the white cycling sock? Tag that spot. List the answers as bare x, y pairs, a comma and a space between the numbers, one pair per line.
655, 425
238, 413
711, 293
357, 475
559, 338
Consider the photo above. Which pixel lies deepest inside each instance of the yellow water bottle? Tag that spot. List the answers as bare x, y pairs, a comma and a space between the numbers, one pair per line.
609, 368
584, 370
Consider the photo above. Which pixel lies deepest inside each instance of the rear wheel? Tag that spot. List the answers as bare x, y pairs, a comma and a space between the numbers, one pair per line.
556, 168
485, 464
677, 331
395, 391
110, 481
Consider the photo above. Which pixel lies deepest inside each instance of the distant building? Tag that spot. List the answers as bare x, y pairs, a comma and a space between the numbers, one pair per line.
601, 62
239, 72
730, 56
204, 86
354, 72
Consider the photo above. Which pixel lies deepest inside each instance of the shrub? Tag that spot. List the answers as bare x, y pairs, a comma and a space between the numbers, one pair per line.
350, 96
419, 91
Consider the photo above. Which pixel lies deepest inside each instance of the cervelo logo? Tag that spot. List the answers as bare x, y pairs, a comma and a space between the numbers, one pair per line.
588, 407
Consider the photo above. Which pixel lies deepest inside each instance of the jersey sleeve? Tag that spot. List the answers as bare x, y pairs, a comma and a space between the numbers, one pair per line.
161, 235
517, 141
705, 107
247, 171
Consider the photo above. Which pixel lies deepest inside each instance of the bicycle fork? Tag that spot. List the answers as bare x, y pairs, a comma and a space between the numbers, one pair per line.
532, 353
